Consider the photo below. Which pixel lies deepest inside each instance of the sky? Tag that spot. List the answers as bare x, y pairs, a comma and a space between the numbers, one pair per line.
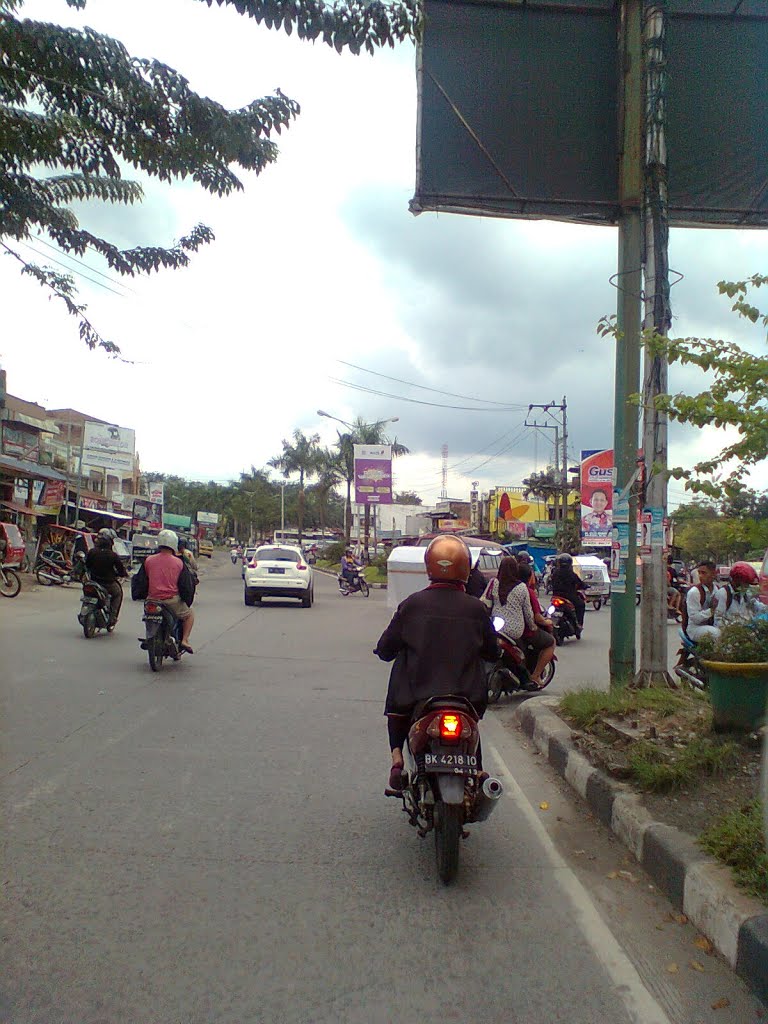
322, 288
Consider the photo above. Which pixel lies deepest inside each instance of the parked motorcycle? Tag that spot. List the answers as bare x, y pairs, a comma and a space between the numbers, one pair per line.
357, 584
565, 623
95, 608
445, 786
163, 635
10, 584
52, 569
512, 672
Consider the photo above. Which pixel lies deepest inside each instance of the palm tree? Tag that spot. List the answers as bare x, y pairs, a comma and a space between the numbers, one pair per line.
330, 473
301, 457
362, 433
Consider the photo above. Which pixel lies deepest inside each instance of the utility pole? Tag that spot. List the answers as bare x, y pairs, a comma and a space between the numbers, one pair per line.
658, 318
629, 284
558, 413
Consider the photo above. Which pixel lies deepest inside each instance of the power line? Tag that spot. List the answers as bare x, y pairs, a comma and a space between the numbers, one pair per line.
423, 387
417, 401
76, 259
71, 270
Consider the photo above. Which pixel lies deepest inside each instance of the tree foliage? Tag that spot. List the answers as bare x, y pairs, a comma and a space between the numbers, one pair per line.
733, 528
77, 109
737, 397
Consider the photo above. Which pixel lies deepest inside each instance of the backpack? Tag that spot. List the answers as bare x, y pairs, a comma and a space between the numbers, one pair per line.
702, 595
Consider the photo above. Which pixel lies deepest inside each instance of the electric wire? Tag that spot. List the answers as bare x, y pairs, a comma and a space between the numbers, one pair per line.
423, 387
76, 259
418, 401
71, 270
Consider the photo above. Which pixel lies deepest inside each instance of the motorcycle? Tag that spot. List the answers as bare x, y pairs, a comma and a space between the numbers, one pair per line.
565, 623
163, 634
357, 584
95, 608
445, 786
512, 672
10, 584
52, 569
233, 555
689, 667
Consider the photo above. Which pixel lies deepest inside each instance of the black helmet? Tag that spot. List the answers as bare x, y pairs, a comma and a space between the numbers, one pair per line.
104, 538
524, 557
564, 559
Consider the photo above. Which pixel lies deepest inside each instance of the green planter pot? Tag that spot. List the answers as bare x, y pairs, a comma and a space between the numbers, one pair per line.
738, 693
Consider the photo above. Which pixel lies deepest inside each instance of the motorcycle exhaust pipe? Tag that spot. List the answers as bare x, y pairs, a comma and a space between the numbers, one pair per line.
487, 799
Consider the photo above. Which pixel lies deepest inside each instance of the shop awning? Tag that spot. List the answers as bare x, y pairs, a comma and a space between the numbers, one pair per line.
28, 470
21, 510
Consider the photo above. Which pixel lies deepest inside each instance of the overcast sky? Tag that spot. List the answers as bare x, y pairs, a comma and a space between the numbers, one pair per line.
319, 263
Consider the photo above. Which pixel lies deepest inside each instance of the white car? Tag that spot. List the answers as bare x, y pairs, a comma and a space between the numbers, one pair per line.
248, 553
278, 570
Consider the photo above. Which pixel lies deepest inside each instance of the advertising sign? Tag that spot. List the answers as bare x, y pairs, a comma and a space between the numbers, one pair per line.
597, 496
21, 443
147, 515
53, 494
156, 492
108, 446
208, 518
373, 474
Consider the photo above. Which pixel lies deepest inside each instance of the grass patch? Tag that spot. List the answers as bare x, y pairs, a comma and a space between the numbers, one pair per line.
738, 841
659, 772
586, 707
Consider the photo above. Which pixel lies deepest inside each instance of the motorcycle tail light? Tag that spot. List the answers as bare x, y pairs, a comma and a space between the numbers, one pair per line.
558, 602
89, 589
449, 727
151, 607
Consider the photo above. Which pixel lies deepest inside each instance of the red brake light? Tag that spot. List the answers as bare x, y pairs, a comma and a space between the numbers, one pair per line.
558, 602
88, 588
450, 727
151, 607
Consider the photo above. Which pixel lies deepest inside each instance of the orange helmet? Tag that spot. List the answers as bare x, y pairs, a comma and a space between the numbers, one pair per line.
447, 559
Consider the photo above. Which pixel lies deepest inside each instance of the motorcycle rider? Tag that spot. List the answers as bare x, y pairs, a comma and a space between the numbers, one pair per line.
106, 568
438, 639
349, 567
187, 555
565, 583
735, 600
701, 602
170, 583
477, 583
540, 638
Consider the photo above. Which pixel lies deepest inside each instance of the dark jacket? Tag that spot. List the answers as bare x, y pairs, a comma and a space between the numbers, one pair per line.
104, 565
565, 583
477, 584
437, 639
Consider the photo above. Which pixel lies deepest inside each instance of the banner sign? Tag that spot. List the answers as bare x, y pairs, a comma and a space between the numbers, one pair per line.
108, 446
373, 474
156, 492
147, 515
208, 518
53, 493
21, 443
597, 496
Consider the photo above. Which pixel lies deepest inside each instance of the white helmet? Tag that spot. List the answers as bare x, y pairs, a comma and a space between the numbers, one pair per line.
168, 539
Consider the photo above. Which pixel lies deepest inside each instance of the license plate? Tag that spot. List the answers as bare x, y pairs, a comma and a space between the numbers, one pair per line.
153, 618
277, 572
466, 764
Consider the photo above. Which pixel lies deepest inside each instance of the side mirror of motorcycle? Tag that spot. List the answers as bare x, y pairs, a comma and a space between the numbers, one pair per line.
498, 623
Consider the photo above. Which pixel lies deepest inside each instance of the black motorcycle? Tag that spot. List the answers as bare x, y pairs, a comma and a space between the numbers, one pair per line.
445, 786
357, 584
95, 608
163, 635
565, 621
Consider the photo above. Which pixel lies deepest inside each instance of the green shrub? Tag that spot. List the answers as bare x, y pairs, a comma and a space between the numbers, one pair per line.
333, 552
737, 840
740, 642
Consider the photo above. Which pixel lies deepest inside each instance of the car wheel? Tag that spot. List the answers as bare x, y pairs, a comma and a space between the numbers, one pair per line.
250, 597
307, 599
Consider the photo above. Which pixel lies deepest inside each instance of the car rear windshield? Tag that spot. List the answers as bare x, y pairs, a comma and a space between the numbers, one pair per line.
277, 555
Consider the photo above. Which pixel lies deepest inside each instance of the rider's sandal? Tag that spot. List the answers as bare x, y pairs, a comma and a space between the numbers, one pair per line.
186, 648
396, 778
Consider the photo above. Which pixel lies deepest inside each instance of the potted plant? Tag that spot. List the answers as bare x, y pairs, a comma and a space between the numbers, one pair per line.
736, 663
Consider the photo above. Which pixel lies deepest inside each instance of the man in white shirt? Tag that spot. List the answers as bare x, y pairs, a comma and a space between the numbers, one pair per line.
701, 603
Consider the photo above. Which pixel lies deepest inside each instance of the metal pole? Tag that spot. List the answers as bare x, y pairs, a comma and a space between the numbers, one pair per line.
556, 496
629, 277
565, 462
282, 508
658, 317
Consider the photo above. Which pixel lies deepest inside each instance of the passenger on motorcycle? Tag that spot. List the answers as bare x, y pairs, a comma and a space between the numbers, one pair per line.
438, 639
349, 565
540, 638
736, 599
170, 583
476, 583
701, 602
565, 583
106, 568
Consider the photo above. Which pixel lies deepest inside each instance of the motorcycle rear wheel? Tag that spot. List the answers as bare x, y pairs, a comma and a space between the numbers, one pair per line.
547, 675
10, 584
597, 604
448, 828
364, 588
156, 651
496, 684
89, 626
44, 578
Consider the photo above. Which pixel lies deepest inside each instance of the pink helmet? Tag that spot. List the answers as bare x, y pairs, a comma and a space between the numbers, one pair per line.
743, 575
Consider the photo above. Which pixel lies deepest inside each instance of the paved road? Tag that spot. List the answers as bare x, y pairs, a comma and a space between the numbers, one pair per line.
212, 845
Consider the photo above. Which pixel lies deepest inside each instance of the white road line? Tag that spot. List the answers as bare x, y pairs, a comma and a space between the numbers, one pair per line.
638, 1001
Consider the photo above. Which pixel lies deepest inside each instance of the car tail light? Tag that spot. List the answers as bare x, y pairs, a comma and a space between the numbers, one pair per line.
151, 607
253, 564
300, 566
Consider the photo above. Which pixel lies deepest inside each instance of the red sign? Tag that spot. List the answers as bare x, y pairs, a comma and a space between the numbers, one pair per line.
53, 493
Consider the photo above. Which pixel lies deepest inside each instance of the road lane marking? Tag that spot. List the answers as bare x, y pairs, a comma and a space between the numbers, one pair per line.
638, 1001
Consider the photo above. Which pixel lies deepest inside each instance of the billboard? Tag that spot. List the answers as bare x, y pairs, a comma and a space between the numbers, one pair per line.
517, 110
147, 515
373, 474
208, 518
597, 496
509, 509
108, 446
156, 492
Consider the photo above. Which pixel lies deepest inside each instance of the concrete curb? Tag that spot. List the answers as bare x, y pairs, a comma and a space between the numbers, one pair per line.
698, 886
330, 572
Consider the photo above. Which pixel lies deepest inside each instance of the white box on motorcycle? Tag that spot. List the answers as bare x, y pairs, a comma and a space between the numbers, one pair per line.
406, 573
